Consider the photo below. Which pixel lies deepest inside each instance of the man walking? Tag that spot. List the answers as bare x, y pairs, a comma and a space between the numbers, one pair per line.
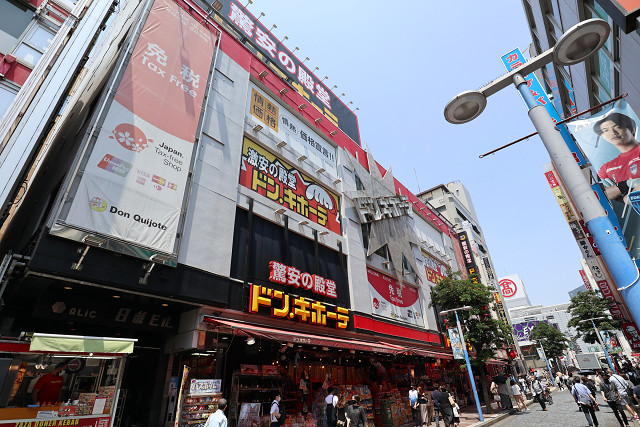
435, 397
218, 418
625, 399
585, 399
332, 408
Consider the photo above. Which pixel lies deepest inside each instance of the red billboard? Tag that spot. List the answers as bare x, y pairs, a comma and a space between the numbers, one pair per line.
275, 179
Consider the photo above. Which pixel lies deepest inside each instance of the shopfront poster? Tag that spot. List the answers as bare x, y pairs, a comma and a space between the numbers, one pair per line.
394, 301
609, 140
133, 184
249, 415
277, 180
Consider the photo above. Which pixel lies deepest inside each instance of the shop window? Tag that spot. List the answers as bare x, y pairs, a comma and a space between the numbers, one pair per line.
14, 19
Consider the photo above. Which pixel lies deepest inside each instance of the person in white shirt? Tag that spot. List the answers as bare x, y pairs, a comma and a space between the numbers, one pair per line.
621, 385
518, 396
275, 410
218, 419
332, 408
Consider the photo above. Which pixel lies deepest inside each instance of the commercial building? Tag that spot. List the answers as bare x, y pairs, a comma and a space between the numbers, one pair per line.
196, 188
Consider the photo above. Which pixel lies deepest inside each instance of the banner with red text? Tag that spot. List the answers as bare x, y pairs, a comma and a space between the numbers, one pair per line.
284, 184
393, 300
133, 184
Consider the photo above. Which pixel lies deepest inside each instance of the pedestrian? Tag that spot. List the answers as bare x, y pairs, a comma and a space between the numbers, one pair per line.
456, 411
331, 407
519, 396
341, 412
435, 396
585, 399
415, 406
591, 386
446, 408
494, 393
276, 412
524, 384
423, 405
559, 380
355, 413
538, 392
430, 408
217, 418
622, 386
612, 397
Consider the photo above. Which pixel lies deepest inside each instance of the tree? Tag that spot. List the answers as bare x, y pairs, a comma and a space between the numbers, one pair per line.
590, 305
553, 341
483, 332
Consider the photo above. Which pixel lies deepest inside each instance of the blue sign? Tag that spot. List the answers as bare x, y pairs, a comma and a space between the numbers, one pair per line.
515, 59
634, 199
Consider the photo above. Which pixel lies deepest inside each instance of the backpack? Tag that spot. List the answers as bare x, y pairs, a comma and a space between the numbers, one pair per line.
282, 412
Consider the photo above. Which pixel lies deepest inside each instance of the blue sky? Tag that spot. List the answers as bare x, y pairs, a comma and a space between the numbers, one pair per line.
400, 63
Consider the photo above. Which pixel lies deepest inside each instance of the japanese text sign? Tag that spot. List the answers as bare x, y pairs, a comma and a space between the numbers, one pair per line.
285, 306
250, 30
515, 59
467, 254
286, 275
134, 180
273, 178
394, 300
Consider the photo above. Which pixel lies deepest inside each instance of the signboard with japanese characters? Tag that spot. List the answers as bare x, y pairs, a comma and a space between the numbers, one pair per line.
285, 305
603, 281
267, 175
434, 270
257, 38
291, 276
515, 59
131, 184
585, 280
502, 315
467, 254
290, 129
392, 300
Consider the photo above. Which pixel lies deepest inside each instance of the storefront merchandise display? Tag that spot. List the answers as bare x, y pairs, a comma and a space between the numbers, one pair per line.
196, 409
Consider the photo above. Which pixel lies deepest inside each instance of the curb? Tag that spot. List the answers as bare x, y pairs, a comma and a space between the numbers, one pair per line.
495, 419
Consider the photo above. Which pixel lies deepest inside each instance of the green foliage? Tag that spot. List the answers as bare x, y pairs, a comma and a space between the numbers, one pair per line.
589, 305
553, 341
485, 333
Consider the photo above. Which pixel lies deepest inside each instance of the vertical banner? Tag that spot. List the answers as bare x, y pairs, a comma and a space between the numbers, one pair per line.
585, 280
609, 140
456, 344
515, 59
467, 253
133, 184
541, 354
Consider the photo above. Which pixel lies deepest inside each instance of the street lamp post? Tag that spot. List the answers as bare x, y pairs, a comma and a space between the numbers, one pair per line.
466, 356
604, 347
576, 45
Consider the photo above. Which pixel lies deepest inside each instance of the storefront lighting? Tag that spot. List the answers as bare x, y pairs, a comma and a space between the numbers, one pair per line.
284, 91
68, 288
165, 305
280, 211
333, 133
325, 348
302, 106
281, 143
257, 128
251, 340
264, 74
318, 120
320, 170
302, 158
116, 296
303, 222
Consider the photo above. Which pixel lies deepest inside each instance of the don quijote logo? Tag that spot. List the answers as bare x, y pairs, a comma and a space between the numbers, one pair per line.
376, 303
99, 205
130, 137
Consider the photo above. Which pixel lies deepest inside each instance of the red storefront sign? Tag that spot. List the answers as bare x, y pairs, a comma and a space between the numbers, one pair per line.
60, 422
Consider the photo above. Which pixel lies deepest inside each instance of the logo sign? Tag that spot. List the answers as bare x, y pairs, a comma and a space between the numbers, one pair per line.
286, 275
285, 306
275, 179
456, 344
204, 387
148, 131
250, 31
632, 334
467, 254
508, 287
523, 330
393, 300
515, 59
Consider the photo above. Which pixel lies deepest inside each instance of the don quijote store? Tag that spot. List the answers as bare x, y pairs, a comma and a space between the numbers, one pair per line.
212, 228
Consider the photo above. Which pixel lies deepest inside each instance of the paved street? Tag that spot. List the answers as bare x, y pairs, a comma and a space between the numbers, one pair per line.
563, 412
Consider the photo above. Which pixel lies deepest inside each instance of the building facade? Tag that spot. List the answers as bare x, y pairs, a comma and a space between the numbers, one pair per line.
200, 190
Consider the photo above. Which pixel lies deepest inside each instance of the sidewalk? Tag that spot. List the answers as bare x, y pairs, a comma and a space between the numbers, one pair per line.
469, 416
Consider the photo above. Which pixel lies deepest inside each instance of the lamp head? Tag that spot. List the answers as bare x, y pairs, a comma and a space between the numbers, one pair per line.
465, 107
581, 41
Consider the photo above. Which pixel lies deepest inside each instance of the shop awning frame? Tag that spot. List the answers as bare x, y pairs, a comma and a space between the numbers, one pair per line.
304, 338
55, 343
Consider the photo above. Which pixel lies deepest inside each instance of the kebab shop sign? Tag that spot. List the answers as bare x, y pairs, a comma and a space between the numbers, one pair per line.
59, 422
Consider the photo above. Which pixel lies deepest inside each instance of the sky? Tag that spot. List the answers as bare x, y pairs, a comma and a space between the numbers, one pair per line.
400, 64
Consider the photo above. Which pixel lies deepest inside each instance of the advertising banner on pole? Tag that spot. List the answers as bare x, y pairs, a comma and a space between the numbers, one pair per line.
393, 300
267, 175
456, 344
609, 140
133, 185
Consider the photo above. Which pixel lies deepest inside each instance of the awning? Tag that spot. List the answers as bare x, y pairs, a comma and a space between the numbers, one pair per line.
80, 344
429, 353
303, 338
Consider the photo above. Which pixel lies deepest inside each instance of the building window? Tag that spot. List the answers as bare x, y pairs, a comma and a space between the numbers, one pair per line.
36, 40
359, 185
8, 91
14, 19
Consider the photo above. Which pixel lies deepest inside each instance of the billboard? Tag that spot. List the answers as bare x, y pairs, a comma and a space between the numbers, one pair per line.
522, 330
255, 36
467, 254
623, 12
393, 300
608, 139
291, 130
131, 182
267, 175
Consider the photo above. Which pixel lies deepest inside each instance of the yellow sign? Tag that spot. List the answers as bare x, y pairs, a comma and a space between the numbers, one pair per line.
264, 110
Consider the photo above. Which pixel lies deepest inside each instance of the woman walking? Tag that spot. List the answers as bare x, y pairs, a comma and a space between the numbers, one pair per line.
423, 405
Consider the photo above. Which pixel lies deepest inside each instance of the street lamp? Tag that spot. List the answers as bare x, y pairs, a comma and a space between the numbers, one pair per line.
466, 355
577, 44
604, 347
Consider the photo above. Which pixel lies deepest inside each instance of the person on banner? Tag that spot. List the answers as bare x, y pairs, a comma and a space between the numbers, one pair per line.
621, 175
218, 418
585, 399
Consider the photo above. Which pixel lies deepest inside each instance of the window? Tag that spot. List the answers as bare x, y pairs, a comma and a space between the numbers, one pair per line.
34, 43
14, 19
8, 91
359, 185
